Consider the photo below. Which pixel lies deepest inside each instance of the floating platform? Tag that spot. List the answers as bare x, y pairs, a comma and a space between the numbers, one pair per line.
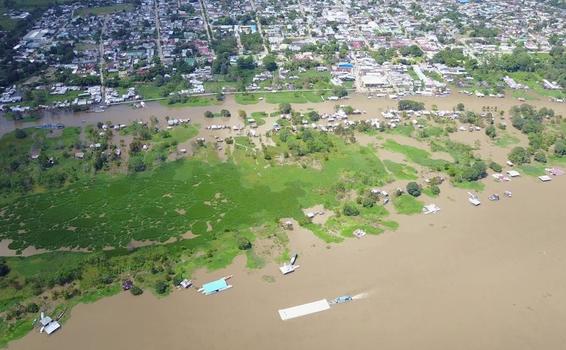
305, 309
215, 286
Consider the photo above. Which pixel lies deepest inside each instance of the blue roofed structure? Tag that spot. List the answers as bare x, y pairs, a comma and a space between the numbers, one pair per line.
215, 286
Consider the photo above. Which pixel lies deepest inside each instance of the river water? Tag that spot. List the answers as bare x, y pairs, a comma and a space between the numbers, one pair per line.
487, 277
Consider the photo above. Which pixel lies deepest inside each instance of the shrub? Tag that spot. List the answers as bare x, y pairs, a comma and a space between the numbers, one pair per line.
20, 134
519, 155
491, 132
4, 268
285, 108
135, 290
560, 148
161, 287
32, 308
435, 190
540, 157
244, 243
495, 167
413, 189
350, 210
208, 114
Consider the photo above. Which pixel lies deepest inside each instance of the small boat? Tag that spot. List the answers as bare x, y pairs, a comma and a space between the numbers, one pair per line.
342, 299
60, 316
493, 197
290, 266
473, 199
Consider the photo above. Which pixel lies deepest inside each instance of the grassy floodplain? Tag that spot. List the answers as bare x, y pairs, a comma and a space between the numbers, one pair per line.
202, 209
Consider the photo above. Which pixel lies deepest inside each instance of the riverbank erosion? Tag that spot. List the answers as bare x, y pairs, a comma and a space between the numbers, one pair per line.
467, 277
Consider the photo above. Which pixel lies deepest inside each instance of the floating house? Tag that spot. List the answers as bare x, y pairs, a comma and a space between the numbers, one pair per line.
431, 209
216, 286
305, 309
48, 325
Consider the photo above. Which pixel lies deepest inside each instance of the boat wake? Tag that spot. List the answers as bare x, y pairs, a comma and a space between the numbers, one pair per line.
360, 296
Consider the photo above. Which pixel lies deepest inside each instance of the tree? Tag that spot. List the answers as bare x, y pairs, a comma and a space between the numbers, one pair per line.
491, 132
434, 189
519, 155
4, 268
161, 287
413, 189
135, 290
285, 108
208, 114
32, 308
339, 91
540, 157
242, 114
225, 113
495, 167
269, 63
476, 171
560, 148
350, 209
460, 107
410, 105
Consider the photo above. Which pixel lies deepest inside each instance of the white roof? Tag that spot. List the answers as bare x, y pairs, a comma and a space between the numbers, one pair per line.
303, 310
545, 178
52, 327
513, 173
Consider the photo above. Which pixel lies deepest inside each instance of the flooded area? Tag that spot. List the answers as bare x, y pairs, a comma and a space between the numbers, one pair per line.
487, 277
124, 114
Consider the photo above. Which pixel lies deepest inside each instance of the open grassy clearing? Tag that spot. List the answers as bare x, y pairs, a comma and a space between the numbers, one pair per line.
505, 140
416, 155
104, 10
408, 205
191, 101
282, 97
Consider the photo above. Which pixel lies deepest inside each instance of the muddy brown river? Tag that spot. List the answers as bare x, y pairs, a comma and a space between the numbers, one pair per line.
487, 277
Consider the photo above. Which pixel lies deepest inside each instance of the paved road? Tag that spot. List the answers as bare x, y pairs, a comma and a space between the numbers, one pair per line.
158, 28
206, 24
102, 62
260, 30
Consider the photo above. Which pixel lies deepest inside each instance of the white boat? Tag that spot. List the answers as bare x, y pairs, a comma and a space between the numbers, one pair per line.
286, 269
290, 266
472, 198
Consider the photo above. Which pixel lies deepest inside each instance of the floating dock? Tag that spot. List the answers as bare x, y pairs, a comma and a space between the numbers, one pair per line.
305, 309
